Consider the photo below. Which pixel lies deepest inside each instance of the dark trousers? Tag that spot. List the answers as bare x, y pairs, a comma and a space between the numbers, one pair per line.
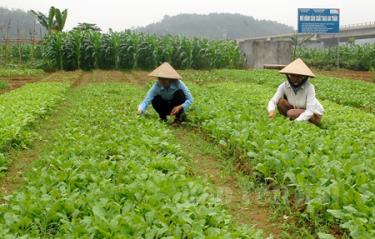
288, 110
164, 107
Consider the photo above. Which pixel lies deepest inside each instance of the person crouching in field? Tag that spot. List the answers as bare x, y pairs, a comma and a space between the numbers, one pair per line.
295, 98
168, 96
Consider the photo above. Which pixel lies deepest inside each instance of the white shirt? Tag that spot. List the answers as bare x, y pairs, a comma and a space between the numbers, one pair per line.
304, 99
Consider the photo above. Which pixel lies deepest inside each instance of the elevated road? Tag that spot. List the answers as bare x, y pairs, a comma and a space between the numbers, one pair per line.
355, 31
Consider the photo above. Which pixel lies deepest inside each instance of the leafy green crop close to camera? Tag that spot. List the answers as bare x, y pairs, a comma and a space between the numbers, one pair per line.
326, 174
109, 174
21, 108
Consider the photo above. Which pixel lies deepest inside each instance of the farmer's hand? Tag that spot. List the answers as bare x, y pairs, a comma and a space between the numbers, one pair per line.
272, 114
176, 110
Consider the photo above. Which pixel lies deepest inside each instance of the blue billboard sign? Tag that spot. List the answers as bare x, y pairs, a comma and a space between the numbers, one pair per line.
318, 20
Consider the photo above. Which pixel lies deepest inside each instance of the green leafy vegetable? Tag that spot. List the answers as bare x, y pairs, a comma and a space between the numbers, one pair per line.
21, 108
329, 171
110, 174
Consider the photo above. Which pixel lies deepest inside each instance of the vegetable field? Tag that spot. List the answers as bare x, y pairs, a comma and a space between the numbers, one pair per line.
356, 94
327, 172
108, 173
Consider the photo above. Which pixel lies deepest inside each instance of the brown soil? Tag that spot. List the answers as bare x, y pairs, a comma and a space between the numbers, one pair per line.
83, 79
59, 76
354, 75
139, 77
63, 76
132, 77
245, 207
13, 177
17, 82
102, 76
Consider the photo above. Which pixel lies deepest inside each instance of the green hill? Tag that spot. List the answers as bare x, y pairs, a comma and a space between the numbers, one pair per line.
215, 26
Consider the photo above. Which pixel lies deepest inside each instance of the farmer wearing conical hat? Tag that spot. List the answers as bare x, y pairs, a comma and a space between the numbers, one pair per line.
169, 95
295, 98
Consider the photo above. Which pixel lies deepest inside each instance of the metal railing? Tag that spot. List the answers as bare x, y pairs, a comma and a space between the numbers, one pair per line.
358, 26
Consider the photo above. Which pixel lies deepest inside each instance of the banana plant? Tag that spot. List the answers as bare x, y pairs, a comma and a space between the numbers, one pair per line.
54, 22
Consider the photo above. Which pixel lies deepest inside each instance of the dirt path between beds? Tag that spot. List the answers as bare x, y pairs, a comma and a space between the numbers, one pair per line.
21, 160
245, 207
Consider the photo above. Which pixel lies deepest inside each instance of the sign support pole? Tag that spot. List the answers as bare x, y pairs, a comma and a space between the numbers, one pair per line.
338, 53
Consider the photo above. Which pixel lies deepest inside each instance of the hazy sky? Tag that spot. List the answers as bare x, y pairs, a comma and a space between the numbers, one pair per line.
121, 14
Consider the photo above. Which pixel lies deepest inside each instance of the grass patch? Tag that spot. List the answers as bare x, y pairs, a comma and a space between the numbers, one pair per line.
3, 84
14, 72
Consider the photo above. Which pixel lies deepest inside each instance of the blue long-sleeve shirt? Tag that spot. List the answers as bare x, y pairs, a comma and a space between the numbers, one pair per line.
166, 94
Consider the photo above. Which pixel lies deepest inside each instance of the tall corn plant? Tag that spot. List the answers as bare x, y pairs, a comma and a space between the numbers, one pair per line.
52, 51
201, 54
71, 51
238, 59
128, 45
126, 50
108, 51
183, 52
165, 49
147, 52
90, 50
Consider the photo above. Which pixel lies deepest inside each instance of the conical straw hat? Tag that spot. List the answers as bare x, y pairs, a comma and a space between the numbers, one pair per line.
165, 71
297, 67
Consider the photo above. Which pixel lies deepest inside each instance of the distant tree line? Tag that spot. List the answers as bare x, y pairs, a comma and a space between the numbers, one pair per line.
19, 24
215, 26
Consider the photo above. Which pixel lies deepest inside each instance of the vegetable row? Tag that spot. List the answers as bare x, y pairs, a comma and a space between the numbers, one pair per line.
328, 172
20, 108
342, 91
110, 174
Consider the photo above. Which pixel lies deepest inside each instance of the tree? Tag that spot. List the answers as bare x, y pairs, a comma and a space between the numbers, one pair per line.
297, 42
87, 26
55, 21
